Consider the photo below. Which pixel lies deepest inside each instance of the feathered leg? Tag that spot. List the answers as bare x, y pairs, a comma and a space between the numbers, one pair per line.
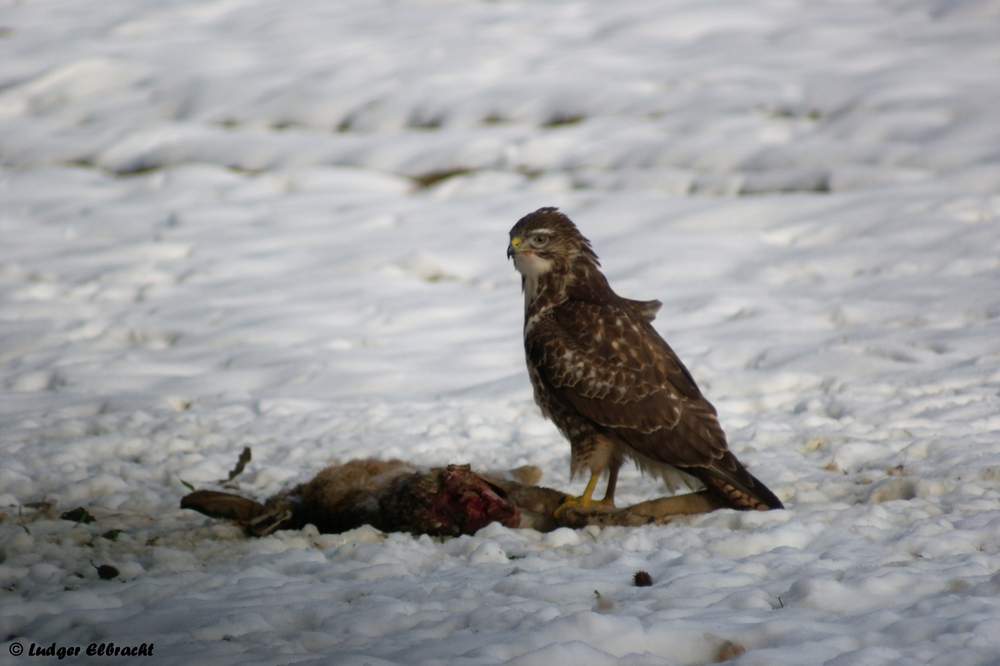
587, 497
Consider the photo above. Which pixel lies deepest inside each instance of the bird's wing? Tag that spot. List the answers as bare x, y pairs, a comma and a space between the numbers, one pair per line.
647, 309
609, 364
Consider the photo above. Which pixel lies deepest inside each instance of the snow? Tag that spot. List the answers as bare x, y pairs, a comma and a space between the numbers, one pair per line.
238, 223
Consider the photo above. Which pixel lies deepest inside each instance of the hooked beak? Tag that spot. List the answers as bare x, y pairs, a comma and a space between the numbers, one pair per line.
513, 248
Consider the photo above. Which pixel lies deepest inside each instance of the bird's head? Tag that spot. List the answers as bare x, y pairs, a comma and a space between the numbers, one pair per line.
544, 240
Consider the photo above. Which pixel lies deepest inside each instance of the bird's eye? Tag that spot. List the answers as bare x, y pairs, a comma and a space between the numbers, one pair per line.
540, 239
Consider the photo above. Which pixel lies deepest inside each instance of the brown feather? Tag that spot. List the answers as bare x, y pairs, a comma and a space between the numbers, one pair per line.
602, 373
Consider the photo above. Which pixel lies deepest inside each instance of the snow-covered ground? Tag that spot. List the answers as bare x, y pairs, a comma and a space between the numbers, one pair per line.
282, 225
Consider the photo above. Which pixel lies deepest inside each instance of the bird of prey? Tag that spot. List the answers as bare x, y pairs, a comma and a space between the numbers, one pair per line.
605, 377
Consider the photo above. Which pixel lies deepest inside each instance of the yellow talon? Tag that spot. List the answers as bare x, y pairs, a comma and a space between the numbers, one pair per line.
586, 499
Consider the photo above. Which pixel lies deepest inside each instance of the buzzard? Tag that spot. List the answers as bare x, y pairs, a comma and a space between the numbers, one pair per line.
606, 378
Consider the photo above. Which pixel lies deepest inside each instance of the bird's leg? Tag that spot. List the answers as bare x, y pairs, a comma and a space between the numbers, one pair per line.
609, 494
588, 492
581, 501
596, 451
586, 498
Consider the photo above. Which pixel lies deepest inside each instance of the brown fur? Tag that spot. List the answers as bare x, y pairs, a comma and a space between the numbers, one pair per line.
396, 496
223, 506
342, 497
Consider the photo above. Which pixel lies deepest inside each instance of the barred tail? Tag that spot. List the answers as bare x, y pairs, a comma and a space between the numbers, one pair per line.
738, 488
